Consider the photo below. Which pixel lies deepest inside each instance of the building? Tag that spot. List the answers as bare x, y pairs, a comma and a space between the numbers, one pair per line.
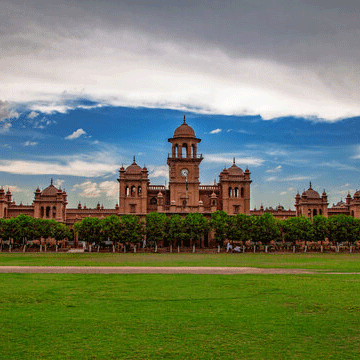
184, 193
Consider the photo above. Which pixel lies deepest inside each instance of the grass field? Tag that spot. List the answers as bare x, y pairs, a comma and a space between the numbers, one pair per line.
341, 262
72, 316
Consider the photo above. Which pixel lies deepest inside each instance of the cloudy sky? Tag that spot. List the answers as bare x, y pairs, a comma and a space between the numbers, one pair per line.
85, 85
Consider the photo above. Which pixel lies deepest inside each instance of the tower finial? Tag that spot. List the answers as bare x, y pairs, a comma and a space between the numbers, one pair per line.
51, 181
134, 160
184, 120
310, 185
234, 160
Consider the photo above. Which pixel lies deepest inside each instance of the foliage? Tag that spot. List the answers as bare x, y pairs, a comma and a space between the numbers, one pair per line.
297, 229
132, 229
175, 229
265, 228
238, 227
343, 228
196, 224
156, 224
320, 228
89, 230
218, 223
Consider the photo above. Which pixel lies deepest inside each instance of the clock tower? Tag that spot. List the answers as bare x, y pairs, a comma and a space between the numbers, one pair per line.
184, 169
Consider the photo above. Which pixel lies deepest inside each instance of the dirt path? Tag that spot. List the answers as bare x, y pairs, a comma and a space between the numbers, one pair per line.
147, 270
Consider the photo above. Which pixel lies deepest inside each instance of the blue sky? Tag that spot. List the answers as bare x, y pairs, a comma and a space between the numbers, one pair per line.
85, 86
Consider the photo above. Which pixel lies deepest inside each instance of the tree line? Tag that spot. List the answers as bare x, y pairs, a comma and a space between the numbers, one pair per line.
176, 230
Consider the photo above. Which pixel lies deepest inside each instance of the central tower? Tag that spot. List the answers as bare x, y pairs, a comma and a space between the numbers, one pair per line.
184, 169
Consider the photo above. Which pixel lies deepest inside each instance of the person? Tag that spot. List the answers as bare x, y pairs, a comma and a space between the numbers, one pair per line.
228, 247
144, 244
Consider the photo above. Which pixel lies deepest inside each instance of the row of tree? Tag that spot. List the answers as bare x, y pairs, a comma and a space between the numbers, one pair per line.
176, 230
23, 228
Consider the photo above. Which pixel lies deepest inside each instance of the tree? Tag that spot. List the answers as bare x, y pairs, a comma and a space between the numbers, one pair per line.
265, 229
320, 228
343, 228
297, 229
239, 227
132, 229
155, 227
218, 223
59, 232
89, 230
111, 228
175, 229
196, 225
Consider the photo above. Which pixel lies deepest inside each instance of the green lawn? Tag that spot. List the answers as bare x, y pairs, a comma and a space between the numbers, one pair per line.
72, 316
341, 262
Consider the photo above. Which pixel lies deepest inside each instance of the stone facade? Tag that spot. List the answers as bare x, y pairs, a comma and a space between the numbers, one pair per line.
183, 194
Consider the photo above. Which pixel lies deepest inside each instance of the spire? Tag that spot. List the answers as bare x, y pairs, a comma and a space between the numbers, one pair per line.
310, 185
184, 120
51, 181
134, 162
234, 160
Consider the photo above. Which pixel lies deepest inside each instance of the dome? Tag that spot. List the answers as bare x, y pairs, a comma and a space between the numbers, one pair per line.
50, 191
357, 193
311, 193
234, 170
134, 168
184, 131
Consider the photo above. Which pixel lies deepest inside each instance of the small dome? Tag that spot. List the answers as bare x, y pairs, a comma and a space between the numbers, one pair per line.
235, 170
311, 193
184, 131
357, 194
134, 168
50, 191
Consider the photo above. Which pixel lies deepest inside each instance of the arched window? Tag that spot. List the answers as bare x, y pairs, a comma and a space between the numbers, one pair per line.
127, 191
230, 192
184, 151
314, 212
139, 190
214, 202
242, 192
236, 192
133, 190
47, 211
193, 150
42, 212
176, 150
320, 212
153, 201
54, 212
352, 212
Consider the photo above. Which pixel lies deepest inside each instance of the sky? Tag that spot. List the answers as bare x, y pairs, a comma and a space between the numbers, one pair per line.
87, 85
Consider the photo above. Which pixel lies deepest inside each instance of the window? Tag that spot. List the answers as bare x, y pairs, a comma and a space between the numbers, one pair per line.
133, 208
153, 201
242, 192
230, 192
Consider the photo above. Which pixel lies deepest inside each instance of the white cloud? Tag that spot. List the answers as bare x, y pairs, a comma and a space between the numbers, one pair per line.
277, 169
283, 193
76, 134
30, 143
15, 189
289, 178
158, 171
33, 115
216, 131
59, 183
73, 167
5, 127
91, 189
6, 113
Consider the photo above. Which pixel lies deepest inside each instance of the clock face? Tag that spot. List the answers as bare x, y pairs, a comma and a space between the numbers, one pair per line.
184, 172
